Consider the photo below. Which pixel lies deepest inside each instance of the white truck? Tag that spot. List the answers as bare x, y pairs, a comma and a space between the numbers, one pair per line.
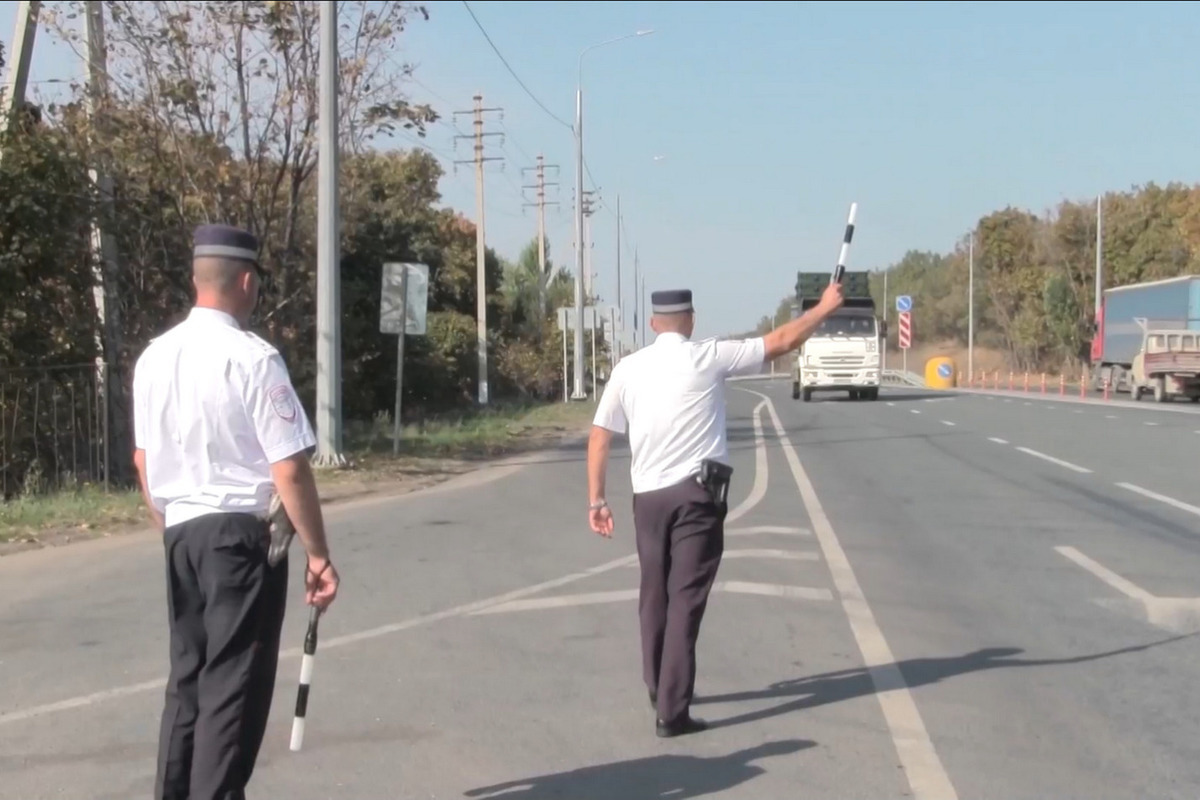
844, 353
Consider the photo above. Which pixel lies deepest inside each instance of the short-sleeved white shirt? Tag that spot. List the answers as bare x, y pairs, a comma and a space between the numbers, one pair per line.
213, 408
670, 400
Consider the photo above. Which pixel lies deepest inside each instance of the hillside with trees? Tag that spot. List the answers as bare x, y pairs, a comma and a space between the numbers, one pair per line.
211, 116
1035, 274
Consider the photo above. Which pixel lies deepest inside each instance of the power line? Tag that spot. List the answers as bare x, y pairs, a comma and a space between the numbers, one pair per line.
511, 71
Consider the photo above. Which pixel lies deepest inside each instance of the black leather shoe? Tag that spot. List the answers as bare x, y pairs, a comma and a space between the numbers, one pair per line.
680, 727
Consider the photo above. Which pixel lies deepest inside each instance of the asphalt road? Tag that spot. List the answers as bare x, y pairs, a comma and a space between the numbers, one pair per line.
930, 596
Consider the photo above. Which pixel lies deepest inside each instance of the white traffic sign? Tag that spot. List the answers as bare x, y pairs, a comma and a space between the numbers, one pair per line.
905, 330
413, 307
903, 302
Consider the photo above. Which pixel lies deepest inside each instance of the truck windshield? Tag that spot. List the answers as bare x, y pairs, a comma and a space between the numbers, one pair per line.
846, 326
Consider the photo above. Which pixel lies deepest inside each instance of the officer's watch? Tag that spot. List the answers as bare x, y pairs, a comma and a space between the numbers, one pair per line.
599, 504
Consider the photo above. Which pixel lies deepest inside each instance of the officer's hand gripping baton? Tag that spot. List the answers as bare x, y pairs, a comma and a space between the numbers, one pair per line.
306, 667
840, 269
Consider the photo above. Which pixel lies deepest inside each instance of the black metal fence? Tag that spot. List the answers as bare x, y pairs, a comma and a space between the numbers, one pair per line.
53, 428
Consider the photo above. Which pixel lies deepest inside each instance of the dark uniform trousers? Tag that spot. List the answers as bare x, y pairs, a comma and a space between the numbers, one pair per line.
226, 608
680, 539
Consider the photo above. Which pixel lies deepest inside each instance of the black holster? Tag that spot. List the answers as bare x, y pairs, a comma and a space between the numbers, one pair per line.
715, 477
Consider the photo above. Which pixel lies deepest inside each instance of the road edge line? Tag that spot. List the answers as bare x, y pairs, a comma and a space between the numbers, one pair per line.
926, 775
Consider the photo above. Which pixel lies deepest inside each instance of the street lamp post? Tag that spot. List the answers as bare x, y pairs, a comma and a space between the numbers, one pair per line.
579, 392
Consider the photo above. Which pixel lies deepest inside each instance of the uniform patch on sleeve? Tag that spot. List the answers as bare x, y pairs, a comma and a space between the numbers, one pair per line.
283, 402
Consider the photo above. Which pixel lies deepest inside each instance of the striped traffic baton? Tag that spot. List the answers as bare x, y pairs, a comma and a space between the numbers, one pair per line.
840, 269
306, 668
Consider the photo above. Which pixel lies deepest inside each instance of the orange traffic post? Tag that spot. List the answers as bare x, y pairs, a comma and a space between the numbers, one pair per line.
1043, 383
1106, 388
1027, 381
1062, 385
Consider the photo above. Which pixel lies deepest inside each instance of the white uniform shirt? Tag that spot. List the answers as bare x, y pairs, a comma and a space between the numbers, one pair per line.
213, 408
671, 398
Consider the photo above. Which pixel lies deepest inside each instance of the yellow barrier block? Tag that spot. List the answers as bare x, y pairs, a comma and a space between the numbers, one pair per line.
940, 373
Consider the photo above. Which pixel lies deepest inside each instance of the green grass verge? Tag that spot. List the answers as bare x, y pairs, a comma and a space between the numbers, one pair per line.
466, 437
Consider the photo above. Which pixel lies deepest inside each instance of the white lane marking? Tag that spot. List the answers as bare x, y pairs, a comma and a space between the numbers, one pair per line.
773, 590
1008, 399
926, 775
538, 603
757, 492
781, 530
1053, 460
1150, 423
785, 555
1179, 615
948, 422
997, 440
893, 404
1110, 416
1125, 587
1078, 411
1162, 498
759, 489
913, 410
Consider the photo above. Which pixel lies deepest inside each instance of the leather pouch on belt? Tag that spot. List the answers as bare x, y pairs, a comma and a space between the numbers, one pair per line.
281, 531
715, 477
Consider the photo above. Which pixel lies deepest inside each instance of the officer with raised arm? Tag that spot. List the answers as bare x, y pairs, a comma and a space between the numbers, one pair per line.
669, 399
219, 434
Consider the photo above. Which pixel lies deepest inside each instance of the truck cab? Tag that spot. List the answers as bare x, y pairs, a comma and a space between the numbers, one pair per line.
843, 354
1168, 365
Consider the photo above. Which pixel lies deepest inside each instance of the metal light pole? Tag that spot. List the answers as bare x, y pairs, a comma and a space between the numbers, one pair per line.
971, 310
579, 392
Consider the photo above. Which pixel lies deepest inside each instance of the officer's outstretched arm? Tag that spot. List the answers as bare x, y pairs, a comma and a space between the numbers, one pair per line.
793, 333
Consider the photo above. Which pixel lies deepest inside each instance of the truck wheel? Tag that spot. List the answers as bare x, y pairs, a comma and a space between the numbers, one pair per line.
1160, 390
873, 393
1135, 391
795, 390
807, 395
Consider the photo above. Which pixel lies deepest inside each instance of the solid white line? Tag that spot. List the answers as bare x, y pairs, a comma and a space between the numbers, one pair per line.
997, 440
785, 555
1125, 587
926, 776
1053, 460
537, 603
782, 530
1162, 498
948, 422
773, 590
759, 489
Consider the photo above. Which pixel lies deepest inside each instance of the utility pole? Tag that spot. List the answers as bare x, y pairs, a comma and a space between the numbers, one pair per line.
329, 300
104, 269
589, 208
636, 301
480, 247
543, 276
1099, 254
620, 307
20, 54
971, 310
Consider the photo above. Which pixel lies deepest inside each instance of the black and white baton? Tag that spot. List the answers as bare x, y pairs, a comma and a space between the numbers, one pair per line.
306, 668
840, 269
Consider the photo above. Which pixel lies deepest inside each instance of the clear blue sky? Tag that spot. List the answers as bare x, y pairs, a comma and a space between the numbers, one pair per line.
772, 117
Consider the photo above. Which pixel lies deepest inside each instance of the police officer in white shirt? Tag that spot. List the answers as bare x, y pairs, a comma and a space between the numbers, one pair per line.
669, 399
218, 432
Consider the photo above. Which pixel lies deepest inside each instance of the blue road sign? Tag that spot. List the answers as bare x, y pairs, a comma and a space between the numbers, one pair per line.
903, 302
944, 370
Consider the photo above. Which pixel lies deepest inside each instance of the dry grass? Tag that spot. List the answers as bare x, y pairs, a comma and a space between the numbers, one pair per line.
431, 452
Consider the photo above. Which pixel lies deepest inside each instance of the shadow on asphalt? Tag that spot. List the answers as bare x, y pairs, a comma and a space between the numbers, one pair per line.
651, 778
848, 684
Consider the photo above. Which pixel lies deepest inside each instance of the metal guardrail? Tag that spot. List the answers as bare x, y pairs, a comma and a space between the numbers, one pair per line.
900, 377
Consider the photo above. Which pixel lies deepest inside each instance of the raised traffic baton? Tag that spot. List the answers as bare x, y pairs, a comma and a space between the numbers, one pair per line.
306, 668
840, 269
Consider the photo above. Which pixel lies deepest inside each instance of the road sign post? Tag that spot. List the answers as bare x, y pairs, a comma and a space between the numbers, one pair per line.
403, 304
904, 329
